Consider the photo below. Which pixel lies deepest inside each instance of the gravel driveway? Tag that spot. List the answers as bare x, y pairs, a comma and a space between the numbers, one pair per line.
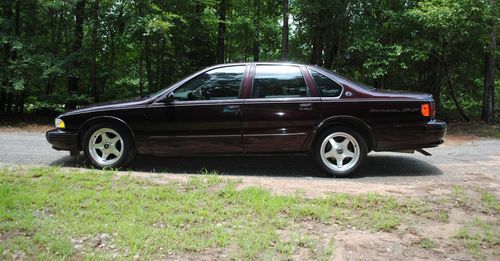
457, 160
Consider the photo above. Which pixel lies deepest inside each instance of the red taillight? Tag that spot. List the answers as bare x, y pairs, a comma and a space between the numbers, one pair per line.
428, 110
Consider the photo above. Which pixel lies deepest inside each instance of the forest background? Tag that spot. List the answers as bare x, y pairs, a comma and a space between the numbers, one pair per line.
60, 54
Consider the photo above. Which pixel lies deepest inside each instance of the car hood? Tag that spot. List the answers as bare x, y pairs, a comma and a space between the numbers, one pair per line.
110, 105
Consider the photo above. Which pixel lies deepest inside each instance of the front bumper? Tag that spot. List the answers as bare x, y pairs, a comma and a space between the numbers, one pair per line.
63, 140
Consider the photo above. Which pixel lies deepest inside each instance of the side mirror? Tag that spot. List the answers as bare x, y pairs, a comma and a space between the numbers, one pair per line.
169, 98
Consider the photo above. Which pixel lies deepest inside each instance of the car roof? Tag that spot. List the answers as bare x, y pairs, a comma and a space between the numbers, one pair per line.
256, 63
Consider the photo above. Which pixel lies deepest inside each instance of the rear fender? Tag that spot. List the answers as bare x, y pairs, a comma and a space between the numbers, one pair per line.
343, 120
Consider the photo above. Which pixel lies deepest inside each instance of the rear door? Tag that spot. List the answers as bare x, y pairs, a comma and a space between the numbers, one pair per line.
281, 110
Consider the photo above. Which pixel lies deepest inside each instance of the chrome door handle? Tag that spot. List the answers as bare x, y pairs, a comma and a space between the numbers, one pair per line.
306, 107
232, 108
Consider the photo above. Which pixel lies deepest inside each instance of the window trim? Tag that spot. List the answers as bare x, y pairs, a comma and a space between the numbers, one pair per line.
254, 73
319, 90
238, 97
158, 98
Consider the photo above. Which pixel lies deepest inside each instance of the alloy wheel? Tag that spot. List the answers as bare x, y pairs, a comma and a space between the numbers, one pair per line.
106, 146
340, 151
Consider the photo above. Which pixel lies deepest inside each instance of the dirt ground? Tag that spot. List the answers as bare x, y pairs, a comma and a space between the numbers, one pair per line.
460, 197
461, 201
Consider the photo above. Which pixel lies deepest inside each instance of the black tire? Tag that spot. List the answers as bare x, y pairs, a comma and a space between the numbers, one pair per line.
128, 147
355, 166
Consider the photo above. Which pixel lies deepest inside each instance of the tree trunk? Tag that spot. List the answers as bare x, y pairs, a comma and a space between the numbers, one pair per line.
160, 64
452, 92
8, 107
284, 35
436, 87
149, 70
53, 49
7, 53
329, 55
31, 24
141, 78
3, 101
489, 75
221, 34
95, 46
256, 34
317, 50
146, 52
256, 48
17, 33
75, 59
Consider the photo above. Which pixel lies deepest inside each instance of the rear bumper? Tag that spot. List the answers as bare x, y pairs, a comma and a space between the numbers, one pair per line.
411, 136
63, 140
434, 133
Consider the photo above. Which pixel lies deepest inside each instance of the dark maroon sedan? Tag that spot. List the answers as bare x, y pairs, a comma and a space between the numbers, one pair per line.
254, 109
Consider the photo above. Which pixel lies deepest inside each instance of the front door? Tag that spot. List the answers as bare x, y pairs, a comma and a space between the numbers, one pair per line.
204, 117
279, 114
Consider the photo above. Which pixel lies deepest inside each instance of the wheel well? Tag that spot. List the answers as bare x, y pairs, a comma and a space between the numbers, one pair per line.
111, 120
357, 125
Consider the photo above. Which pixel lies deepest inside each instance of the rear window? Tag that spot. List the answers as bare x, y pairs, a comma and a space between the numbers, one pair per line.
326, 86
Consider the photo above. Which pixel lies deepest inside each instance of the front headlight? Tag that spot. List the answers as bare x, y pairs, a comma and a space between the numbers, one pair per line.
60, 124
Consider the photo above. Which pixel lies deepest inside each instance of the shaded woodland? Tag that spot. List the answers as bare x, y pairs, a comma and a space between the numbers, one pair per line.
59, 54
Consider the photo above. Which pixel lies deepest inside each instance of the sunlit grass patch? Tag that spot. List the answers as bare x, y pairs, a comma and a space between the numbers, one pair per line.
479, 234
49, 213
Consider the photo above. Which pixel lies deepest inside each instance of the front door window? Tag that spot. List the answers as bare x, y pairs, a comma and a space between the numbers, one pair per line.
217, 84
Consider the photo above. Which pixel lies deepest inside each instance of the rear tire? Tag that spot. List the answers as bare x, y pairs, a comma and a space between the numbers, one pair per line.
340, 151
108, 146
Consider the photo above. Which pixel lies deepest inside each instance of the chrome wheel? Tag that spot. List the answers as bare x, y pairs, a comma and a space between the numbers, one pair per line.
340, 151
106, 146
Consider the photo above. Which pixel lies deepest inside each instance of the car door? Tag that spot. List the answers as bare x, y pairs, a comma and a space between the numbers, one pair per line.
280, 111
204, 116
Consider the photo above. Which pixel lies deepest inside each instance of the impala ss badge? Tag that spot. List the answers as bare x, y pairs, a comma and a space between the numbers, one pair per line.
395, 110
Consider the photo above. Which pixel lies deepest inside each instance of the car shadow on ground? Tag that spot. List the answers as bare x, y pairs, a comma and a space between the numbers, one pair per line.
376, 165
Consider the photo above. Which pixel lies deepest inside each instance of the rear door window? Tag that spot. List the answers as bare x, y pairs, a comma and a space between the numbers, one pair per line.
279, 81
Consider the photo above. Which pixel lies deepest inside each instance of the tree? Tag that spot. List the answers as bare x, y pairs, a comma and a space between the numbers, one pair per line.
95, 45
56, 54
75, 63
221, 32
489, 75
284, 37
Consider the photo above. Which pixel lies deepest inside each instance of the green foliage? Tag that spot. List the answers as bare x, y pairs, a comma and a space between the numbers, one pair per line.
142, 46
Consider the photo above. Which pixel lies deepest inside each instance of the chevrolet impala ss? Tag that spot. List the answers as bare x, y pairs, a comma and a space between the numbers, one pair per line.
254, 109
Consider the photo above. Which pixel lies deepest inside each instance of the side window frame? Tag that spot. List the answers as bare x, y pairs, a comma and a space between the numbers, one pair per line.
249, 93
331, 79
240, 91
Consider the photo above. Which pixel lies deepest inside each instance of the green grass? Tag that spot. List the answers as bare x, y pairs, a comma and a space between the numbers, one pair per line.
427, 243
52, 213
479, 234
490, 202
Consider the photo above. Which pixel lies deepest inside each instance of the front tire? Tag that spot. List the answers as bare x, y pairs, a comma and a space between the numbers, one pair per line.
108, 146
340, 151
